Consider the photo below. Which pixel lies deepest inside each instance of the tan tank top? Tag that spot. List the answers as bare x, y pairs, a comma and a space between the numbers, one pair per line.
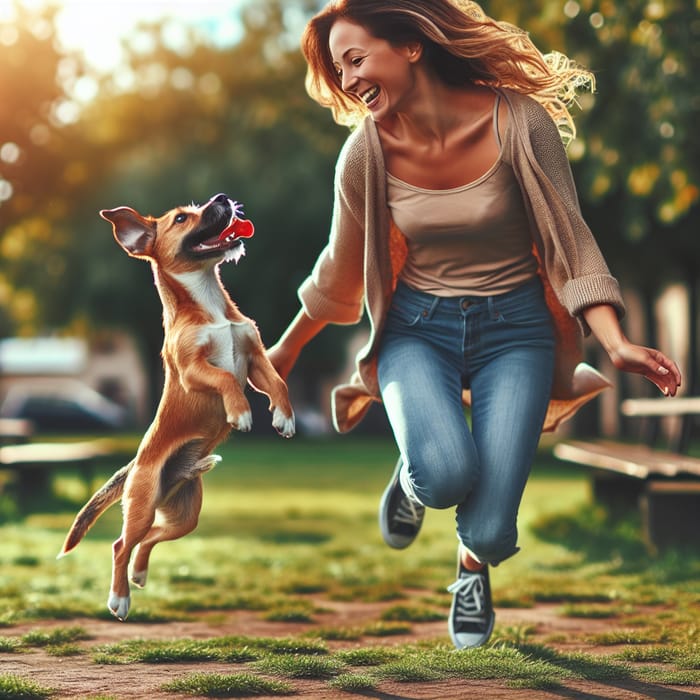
468, 240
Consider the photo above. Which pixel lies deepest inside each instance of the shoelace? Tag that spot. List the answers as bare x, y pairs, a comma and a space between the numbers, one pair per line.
408, 512
471, 596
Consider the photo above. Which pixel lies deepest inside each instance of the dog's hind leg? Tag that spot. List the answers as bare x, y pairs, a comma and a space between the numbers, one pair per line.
139, 504
176, 518
178, 514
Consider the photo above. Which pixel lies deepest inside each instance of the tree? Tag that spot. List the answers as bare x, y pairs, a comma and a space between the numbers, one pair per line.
38, 178
639, 165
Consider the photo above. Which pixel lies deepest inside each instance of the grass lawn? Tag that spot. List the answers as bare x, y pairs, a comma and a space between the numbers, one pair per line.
288, 523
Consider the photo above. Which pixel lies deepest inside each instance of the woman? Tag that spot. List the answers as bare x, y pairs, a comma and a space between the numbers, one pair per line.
456, 225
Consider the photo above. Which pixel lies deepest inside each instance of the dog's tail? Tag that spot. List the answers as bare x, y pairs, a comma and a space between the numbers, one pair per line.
102, 499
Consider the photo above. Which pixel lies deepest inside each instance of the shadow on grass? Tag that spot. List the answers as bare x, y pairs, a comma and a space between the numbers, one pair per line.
604, 671
600, 537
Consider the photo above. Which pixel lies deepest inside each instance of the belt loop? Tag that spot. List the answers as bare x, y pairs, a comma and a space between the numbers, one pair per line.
433, 307
493, 311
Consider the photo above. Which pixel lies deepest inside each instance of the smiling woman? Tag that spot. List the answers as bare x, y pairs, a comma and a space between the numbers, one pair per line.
457, 114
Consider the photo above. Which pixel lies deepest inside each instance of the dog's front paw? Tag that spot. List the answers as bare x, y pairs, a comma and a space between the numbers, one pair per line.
243, 423
282, 423
119, 605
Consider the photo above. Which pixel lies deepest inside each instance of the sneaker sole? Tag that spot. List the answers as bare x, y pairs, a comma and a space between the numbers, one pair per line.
392, 540
471, 641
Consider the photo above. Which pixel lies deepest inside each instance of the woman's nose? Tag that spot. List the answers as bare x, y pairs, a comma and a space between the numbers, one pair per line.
347, 81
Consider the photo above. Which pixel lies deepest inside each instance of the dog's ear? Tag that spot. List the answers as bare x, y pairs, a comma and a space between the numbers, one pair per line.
134, 233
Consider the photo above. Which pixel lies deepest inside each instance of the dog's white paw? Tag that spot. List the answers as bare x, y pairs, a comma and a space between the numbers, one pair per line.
282, 423
119, 605
244, 422
138, 578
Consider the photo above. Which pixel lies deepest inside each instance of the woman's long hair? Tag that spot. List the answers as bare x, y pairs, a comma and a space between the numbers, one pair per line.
462, 46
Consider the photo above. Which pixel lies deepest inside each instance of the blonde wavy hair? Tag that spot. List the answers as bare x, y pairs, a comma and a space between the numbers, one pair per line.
462, 45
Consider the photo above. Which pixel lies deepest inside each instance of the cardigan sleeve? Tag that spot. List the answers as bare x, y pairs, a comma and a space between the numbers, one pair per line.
573, 261
334, 291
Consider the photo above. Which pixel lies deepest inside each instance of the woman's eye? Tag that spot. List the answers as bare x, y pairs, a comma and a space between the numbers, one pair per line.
356, 61
180, 218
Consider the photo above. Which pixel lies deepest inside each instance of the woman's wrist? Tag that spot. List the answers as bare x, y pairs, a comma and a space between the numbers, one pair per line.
605, 326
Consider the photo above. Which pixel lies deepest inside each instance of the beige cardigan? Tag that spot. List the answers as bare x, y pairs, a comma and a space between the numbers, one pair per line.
366, 251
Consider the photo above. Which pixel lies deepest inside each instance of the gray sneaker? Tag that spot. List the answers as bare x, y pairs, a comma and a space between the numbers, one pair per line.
400, 518
471, 617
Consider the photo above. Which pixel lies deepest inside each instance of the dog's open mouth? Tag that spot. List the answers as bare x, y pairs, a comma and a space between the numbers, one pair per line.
212, 240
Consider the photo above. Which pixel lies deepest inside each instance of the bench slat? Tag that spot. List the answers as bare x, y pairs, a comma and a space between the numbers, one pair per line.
678, 406
633, 460
54, 453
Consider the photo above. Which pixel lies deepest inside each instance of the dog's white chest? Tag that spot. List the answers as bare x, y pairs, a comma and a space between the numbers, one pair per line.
230, 346
230, 342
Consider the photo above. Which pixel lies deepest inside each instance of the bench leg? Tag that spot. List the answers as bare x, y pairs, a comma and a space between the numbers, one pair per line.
34, 483
617, 494
670, 516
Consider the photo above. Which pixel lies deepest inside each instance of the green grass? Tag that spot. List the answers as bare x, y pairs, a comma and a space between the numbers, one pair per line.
288, 530
10, 644
56, 637
226, 648
237, 685
412, 613
300, 666
16, 688
354, 682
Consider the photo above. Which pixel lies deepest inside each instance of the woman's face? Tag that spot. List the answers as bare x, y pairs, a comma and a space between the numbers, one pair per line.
371, 69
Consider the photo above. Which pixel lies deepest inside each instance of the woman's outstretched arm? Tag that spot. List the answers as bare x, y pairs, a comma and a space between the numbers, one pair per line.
285, 352
628, 357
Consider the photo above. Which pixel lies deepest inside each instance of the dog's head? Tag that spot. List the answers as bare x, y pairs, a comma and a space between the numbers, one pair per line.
185, 238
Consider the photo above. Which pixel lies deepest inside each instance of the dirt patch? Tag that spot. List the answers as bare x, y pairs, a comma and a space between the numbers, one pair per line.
79, 677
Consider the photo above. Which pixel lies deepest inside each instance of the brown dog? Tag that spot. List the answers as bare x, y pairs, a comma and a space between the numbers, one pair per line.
210, 350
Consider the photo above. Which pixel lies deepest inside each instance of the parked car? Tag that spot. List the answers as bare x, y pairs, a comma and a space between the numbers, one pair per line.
64, 407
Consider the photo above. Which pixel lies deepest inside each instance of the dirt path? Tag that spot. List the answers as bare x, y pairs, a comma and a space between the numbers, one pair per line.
78, 677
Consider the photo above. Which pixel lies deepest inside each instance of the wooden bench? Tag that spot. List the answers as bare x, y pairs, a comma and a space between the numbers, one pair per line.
31, 465
15, 430
663, 483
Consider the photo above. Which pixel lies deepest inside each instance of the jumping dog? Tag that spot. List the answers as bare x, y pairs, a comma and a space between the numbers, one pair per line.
210, 351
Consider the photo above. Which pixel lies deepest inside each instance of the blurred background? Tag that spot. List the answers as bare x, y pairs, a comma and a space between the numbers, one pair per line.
155, 104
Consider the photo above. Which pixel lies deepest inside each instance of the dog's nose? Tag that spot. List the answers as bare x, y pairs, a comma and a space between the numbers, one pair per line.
220, 198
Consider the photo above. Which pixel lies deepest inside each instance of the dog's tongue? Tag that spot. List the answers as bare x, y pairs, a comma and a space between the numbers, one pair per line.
240, 228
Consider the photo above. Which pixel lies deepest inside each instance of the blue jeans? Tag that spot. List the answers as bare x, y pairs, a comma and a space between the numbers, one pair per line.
502, 348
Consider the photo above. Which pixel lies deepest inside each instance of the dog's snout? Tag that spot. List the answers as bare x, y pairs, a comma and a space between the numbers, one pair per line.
220, 198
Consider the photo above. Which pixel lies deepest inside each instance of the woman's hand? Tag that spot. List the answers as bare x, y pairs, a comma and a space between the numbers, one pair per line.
626, 356
650, 363
285, 352
282, 360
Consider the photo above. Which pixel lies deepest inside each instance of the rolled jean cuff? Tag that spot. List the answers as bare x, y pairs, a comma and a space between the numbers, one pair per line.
484, 560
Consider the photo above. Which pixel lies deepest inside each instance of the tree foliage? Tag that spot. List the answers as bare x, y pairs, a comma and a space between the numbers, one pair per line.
637, 158
38, 179
640, 168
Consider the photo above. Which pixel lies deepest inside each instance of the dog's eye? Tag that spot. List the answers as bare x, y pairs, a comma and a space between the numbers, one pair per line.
180, 218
